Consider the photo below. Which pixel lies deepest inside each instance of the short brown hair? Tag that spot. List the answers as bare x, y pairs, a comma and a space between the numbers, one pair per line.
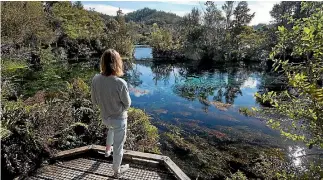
111, 63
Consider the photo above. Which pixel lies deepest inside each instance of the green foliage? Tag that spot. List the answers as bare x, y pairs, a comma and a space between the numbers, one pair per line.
19, 137
251, 43
238, 176
50, 79
47, 56
305, 105
295, 9
302, 105
228, 10
4, 133
47, 28
221, 37
140, 15
24, 22
78, 88
11, 66
161, 39
118, 36
76, 22
124, 41
165, 38
142, 133
242, 16
33, 129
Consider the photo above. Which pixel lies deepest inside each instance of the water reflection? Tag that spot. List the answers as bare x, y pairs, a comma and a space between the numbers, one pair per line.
162, 72
133, 75
296, 153
224, 84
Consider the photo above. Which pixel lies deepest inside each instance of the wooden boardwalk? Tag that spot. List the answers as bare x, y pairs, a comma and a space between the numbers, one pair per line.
89, 163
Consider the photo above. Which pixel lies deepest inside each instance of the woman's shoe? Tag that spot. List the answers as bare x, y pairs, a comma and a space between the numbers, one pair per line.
108, 153
122, 169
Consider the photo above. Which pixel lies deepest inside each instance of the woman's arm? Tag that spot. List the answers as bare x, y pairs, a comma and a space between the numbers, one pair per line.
93, 96
125, 97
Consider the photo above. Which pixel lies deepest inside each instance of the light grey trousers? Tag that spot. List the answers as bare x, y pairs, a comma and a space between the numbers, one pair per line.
116, 136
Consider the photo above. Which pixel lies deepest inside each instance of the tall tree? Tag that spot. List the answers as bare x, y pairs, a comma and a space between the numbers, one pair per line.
241, 15
213, 21
228, 10
194, 17
281, 11
122, 22
242, 18
285, 9
213, 16
124, 41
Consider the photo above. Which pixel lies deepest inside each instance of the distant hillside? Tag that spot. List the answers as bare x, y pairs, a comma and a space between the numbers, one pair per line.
262, 25
150, 16
259, 26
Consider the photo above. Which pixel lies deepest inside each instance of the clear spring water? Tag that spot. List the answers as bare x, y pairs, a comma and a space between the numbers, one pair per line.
170, 91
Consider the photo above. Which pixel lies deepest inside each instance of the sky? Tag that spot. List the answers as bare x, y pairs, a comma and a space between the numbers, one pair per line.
261, 8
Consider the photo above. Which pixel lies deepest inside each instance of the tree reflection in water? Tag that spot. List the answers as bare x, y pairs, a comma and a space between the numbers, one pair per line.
220, 84
223, 84
162, 71
132, 74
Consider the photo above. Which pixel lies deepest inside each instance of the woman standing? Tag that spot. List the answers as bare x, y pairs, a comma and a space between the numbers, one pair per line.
111, 94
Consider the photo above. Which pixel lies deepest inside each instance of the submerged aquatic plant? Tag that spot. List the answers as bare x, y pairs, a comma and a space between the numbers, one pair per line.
246, 111
220, 153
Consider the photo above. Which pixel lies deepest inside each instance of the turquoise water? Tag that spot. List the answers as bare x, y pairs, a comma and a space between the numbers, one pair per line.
178, 92
182, 93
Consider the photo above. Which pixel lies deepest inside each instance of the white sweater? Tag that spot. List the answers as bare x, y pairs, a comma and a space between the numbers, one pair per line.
112, 95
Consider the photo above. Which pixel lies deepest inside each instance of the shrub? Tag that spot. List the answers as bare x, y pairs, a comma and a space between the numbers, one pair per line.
33, 130
142, 135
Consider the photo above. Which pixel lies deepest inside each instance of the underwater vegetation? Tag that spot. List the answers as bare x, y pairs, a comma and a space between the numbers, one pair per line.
219, 105
206, 153
246, 111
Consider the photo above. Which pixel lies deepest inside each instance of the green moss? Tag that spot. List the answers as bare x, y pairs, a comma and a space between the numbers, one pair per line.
246, 111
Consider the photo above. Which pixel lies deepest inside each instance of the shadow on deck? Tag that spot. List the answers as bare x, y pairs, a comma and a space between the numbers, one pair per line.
88, 162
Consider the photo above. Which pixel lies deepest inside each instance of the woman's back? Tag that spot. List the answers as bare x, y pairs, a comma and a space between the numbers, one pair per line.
112, 95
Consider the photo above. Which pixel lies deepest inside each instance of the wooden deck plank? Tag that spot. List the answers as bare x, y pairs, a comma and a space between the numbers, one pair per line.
175, 169
72, 152
135, 154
